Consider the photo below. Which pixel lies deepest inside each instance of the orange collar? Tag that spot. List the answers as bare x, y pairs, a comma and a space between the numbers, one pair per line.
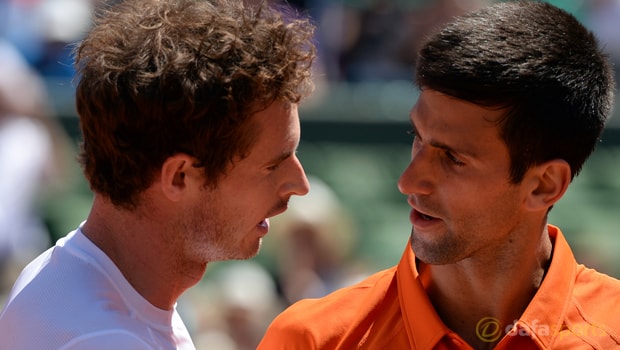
541, 320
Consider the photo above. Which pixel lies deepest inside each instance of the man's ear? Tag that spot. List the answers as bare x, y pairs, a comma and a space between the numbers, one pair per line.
549, 182
176, 172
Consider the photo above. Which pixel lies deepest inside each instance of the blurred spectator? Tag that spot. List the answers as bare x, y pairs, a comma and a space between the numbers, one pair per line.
233, 309
21, 26
603, 18
383, 46
43, 31
376, 40
313, 244
33, 153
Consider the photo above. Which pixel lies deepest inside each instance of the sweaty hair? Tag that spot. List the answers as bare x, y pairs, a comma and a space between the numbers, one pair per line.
160, 77
539, 64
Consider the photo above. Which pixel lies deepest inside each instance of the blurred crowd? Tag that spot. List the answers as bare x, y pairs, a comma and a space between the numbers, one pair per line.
311, 251
359, 40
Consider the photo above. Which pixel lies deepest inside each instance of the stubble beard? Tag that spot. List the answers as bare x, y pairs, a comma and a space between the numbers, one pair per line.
437, 252
209, 236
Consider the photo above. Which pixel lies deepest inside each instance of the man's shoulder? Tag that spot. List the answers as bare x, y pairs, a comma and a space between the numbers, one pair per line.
33, 320
596, 286
597, 298
59, 297
322, 322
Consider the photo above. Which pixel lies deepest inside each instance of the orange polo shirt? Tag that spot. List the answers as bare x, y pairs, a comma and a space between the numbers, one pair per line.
574, 308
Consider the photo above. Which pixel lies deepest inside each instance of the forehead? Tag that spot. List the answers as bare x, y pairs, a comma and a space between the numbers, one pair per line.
278, 122
276, 129
447, 120
440, 109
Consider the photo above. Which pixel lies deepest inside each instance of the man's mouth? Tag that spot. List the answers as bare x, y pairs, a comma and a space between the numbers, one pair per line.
423, 216
264, 223
426, 217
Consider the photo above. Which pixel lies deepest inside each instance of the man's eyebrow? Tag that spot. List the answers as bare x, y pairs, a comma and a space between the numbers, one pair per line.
443, 146
280, 158
439, 144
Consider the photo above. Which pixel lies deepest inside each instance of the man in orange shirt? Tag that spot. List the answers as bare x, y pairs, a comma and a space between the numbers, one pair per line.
513, 100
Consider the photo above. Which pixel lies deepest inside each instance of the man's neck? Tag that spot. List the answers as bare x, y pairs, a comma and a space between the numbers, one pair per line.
497, 288
133, 244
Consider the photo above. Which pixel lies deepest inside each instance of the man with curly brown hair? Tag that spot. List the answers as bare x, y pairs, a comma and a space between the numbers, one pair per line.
188, 111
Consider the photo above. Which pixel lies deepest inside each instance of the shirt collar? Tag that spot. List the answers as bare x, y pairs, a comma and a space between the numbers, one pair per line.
544, 316
424, 327
541, 320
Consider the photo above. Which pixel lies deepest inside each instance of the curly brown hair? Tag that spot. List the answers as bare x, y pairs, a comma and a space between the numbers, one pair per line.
160, 77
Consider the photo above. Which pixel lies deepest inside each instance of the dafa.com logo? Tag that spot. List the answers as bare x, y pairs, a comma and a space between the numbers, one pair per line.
490, 330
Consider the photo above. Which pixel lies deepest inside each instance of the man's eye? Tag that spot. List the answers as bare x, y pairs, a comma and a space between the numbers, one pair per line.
274, 166
412, 133
453, 159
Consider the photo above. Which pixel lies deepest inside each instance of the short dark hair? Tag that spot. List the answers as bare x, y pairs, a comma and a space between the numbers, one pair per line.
158, 77
538, 63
